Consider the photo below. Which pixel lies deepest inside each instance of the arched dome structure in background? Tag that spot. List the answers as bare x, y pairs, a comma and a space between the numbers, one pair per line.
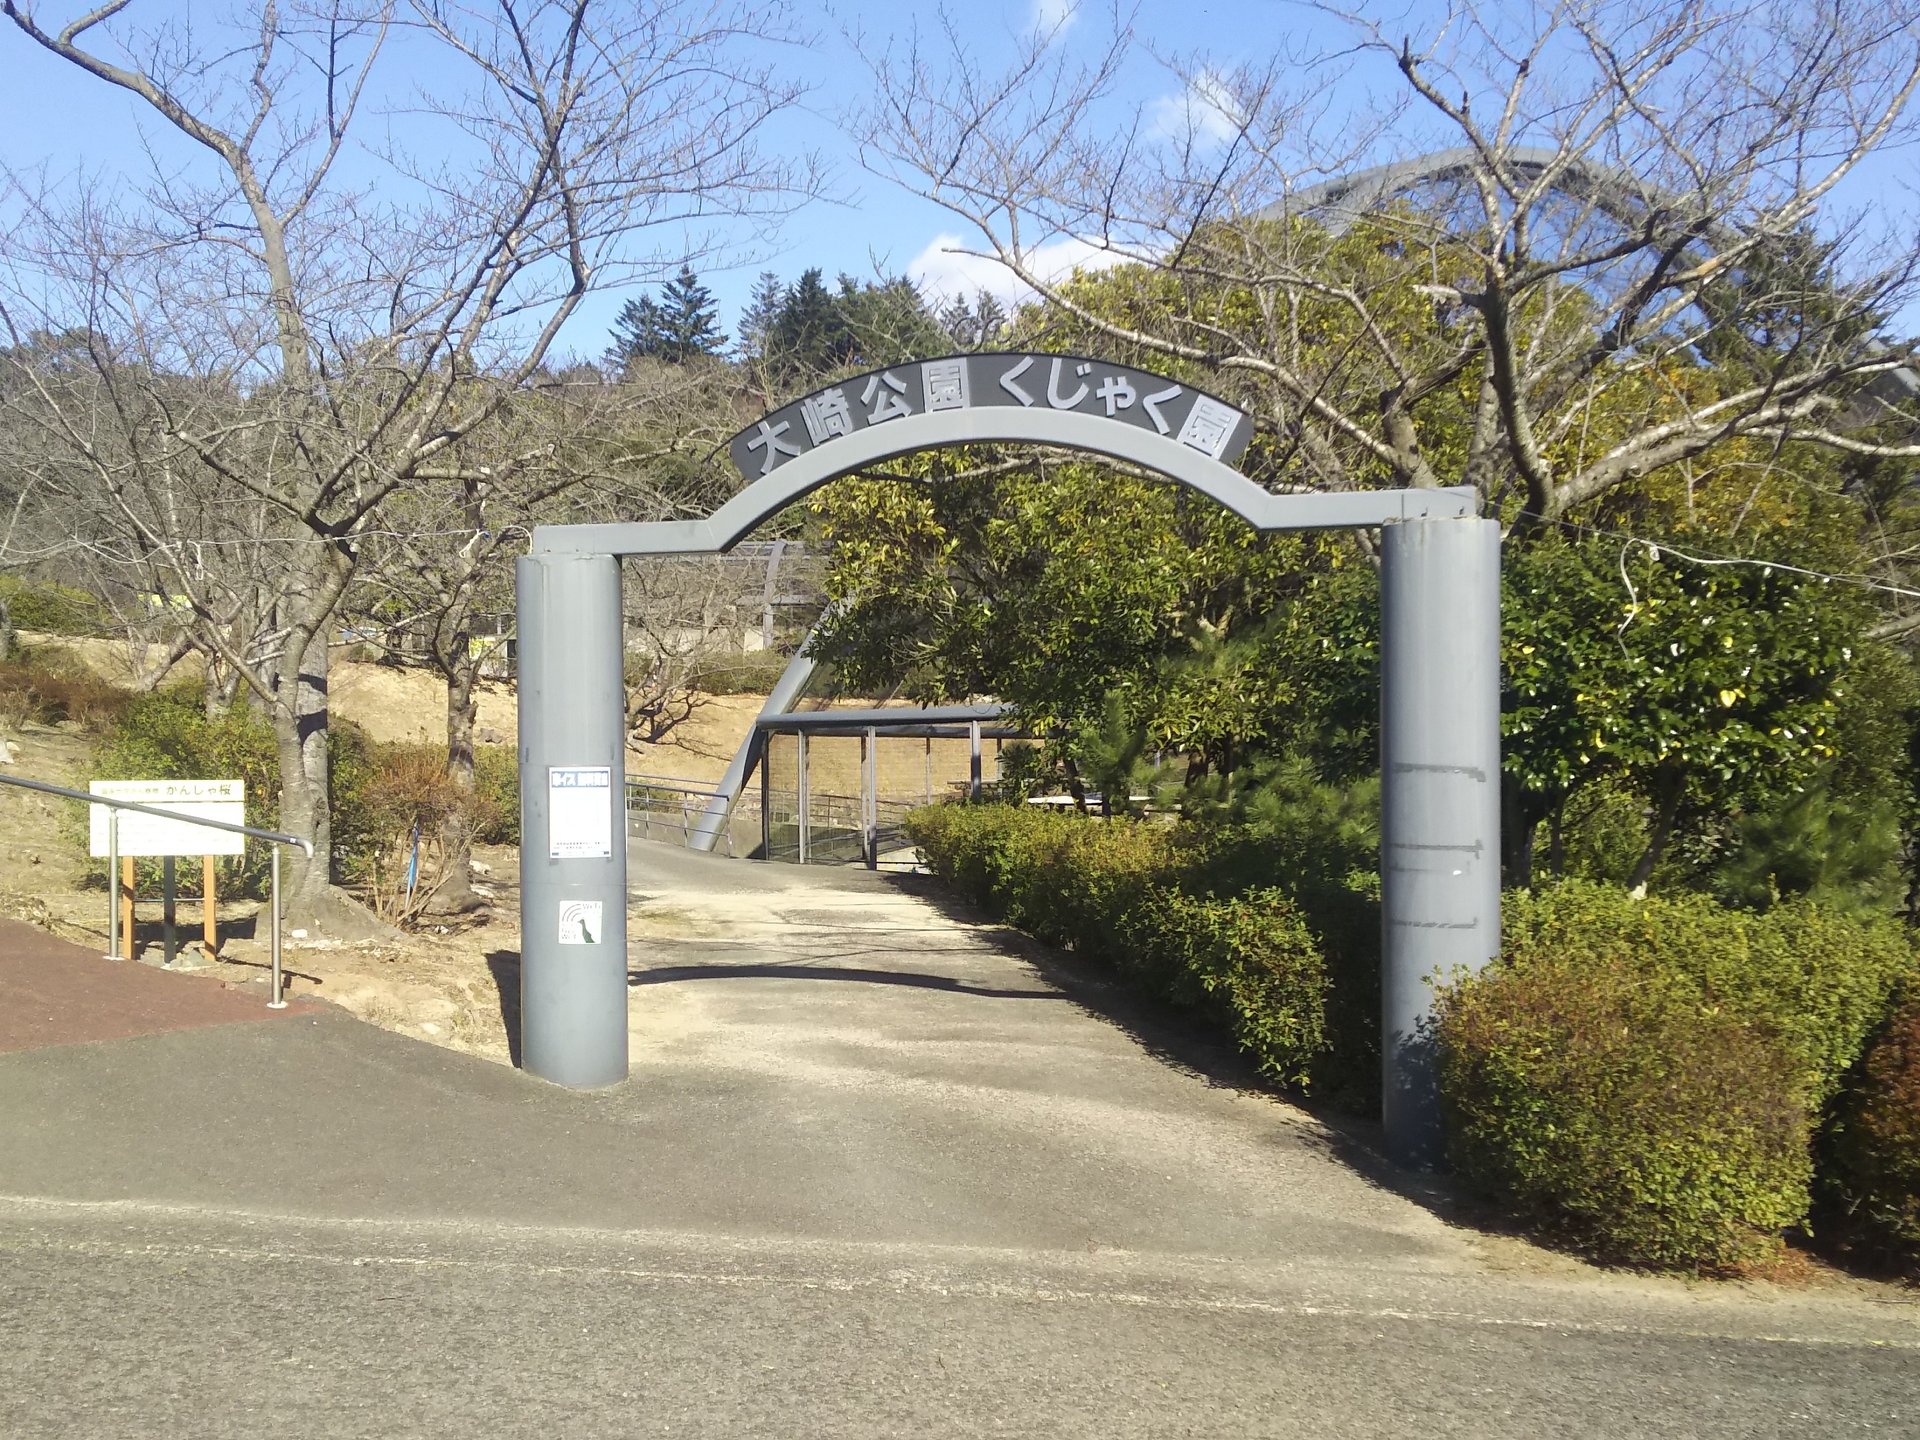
1621, 195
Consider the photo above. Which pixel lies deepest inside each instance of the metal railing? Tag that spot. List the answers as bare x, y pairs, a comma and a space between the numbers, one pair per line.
658, 802
114, 807
829, 829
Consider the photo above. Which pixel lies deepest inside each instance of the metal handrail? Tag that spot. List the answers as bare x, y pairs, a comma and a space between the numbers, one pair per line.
643, 787
276, 837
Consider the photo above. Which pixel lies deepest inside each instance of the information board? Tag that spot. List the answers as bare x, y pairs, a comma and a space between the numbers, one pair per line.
223, 800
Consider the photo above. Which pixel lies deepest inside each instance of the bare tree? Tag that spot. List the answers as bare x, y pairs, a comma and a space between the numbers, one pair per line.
436, 578
1594, 237
329, 322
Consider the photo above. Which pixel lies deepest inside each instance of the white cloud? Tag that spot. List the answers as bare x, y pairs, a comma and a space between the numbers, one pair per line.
1205, 108
942, 274
1054, 16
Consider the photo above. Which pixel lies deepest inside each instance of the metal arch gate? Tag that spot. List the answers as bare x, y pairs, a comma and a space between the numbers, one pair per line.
1440, 619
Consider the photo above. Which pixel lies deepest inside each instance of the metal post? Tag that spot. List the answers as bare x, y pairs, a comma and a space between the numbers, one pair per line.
113, 883
766, 801
573, 865
277, 999
805, 801
1440, 799
870, 797
169, 890
973, 759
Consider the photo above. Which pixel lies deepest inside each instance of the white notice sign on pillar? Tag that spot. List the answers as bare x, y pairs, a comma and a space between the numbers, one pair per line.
579, 812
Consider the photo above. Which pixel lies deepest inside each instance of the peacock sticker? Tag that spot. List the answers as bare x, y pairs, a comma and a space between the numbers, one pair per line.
580, 922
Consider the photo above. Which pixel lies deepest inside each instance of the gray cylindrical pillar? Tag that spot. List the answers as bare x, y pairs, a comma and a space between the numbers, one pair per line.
573, 833
1440, 798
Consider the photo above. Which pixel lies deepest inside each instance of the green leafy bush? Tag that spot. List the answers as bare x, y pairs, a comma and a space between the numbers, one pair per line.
167, 735
51, 609
1610, 1108
1252, 962
496, 795
1114, 891
1820, 981
1872, 1151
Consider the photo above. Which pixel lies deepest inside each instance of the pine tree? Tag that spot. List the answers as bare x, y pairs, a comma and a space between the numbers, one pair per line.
889, 323
810, 335
681, 324
975, 326
761, 316
636, 332
689, 320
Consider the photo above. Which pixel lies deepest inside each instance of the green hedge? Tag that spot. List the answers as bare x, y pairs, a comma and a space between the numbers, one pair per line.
51, 609
1643, 1077
1872, 1152
1111, 890
1821, 982
1640, 1078
1613, 1111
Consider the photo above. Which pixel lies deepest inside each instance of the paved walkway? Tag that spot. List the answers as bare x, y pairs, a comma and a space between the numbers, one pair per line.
875, 1173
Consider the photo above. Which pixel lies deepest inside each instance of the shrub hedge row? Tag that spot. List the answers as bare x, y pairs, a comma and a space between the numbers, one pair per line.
1871, 1157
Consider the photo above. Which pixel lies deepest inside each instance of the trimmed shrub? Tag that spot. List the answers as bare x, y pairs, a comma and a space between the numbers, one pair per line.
496, 795
1872, 1151
1611, 1109
1249, 959
1820, 981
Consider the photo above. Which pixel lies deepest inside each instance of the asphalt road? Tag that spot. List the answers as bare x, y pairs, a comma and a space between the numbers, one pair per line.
875, 1174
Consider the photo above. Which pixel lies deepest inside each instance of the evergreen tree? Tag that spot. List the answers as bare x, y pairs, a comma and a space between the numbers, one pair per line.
761, 316
889, 323
681, 324
689, 320
810, 334
636, 332
975, 326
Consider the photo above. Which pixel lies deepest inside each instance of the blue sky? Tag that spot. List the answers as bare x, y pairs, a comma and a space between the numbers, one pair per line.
54, 117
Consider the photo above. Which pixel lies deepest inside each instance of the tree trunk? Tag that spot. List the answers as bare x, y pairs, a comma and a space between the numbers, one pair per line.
300, 722
1518, 824
6, 633
1669, 788
455, 894
222, 684
308, 897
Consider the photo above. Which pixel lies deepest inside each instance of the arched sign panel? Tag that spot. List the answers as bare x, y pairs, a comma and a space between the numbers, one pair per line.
1061, 384
1152, 421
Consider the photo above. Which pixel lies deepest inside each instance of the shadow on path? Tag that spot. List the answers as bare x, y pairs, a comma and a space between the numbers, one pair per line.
505, 965
670, 974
